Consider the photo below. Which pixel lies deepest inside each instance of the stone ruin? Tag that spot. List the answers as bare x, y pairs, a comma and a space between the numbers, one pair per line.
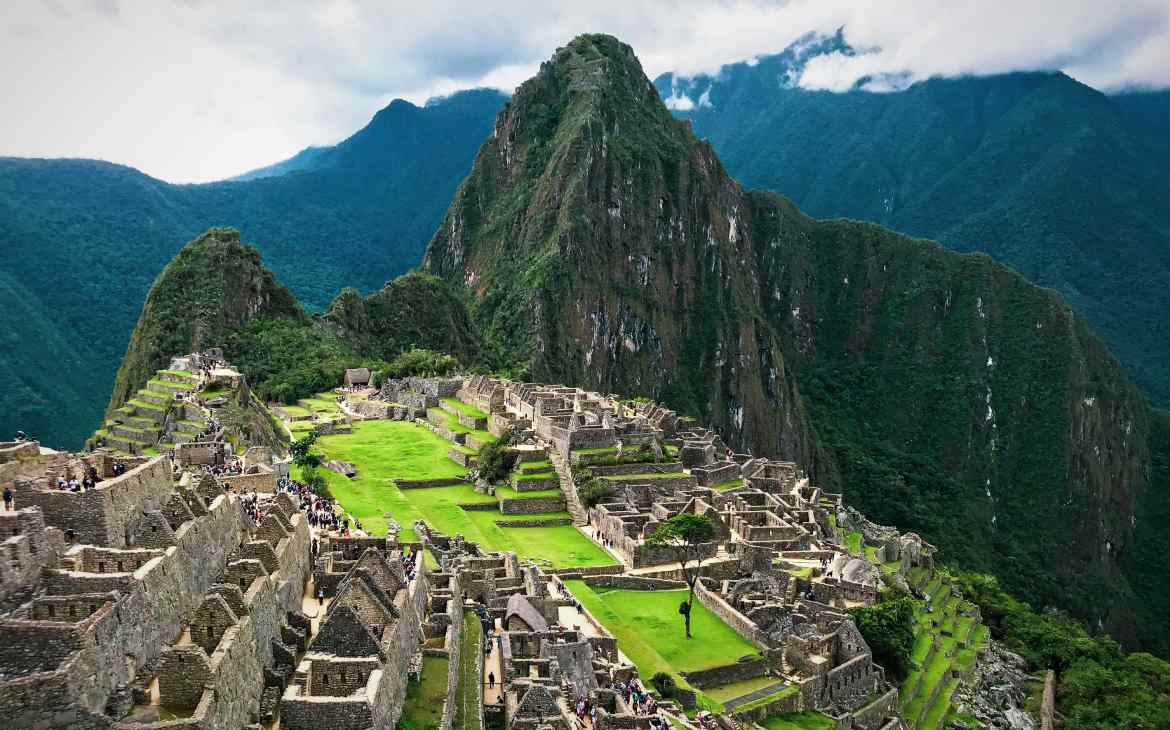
146, 602
542, 666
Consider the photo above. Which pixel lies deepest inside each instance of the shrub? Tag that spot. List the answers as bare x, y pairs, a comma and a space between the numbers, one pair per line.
665, 685
594, 492
495, 461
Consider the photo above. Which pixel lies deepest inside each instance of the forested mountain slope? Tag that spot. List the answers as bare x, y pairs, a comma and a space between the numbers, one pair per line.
83, 241
600, 243
1059, 181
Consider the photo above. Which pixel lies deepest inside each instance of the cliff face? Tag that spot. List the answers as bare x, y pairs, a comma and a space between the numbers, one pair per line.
601, 244
605, 246
213, 285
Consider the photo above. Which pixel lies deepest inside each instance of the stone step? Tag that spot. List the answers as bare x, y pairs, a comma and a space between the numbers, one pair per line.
151, 396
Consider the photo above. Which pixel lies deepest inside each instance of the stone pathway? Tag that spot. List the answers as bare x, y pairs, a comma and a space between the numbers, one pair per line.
572, 503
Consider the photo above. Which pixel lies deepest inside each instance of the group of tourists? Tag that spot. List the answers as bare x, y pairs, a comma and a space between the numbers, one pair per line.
636, 696
231, 468
320, 511
586, 708
251, 505
86, 483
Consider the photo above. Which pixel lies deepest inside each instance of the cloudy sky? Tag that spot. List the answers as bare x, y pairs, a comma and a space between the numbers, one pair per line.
195, 90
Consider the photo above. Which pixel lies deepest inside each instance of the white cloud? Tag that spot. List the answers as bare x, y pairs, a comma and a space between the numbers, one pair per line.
201, 89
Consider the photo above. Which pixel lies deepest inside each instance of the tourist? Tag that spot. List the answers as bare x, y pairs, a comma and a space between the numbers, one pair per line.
491, 680
8, 498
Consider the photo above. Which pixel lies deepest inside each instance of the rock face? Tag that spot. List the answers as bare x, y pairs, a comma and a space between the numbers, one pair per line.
601, 244
995, 691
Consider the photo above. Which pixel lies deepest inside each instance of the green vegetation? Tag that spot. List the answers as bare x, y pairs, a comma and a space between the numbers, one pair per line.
685, 535
594, 492
464, 408
388, 450
888, 628
1099, 208
799, 721
357, 214
467, 705
495, 460
420, 362
769, 699
1100, 686
423, 708
738, 689
646, 626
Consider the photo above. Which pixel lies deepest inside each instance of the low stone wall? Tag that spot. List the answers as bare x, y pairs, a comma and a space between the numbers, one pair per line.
426, 483
472, 441
264, 482
536, 485
662, 482
460, 457
644, 555
788, 703
552, 522
637, 468
743, 626
873, 716
634, 583
532, 505
742, 670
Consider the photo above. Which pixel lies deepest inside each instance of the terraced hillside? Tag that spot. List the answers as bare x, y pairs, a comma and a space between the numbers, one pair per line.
948, 636
155, 417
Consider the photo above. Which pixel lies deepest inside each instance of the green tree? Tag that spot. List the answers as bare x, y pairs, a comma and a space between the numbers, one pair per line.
420, 362
495, 460
594, 491
888, 628
302, 451
686, 535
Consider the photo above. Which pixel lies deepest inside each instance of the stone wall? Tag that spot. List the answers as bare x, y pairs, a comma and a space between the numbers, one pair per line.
743, 626
264, 482
745, 668
103, 515
426, 483
532, 505
634, 582
148, 618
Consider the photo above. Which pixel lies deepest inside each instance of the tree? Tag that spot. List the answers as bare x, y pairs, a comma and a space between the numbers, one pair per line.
594, 492
495, 460
302, 451
686, 535
888, 628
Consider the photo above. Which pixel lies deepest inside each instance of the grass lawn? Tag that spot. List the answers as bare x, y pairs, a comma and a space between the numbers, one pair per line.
451, 421
385, 450
465, 409
467, 706
650, 631
728, 485
534, 466
321, 403
853, 542
296, 410
798, 721
424, 699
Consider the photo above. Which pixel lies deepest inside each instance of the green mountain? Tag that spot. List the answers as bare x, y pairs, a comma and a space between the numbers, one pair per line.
217, 293
1061, 182
83, 241
599, 242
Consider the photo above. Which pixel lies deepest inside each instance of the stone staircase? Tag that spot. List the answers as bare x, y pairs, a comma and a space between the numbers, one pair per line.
572, 502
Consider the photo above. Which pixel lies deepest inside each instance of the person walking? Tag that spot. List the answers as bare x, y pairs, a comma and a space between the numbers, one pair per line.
491, 680
8, 497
